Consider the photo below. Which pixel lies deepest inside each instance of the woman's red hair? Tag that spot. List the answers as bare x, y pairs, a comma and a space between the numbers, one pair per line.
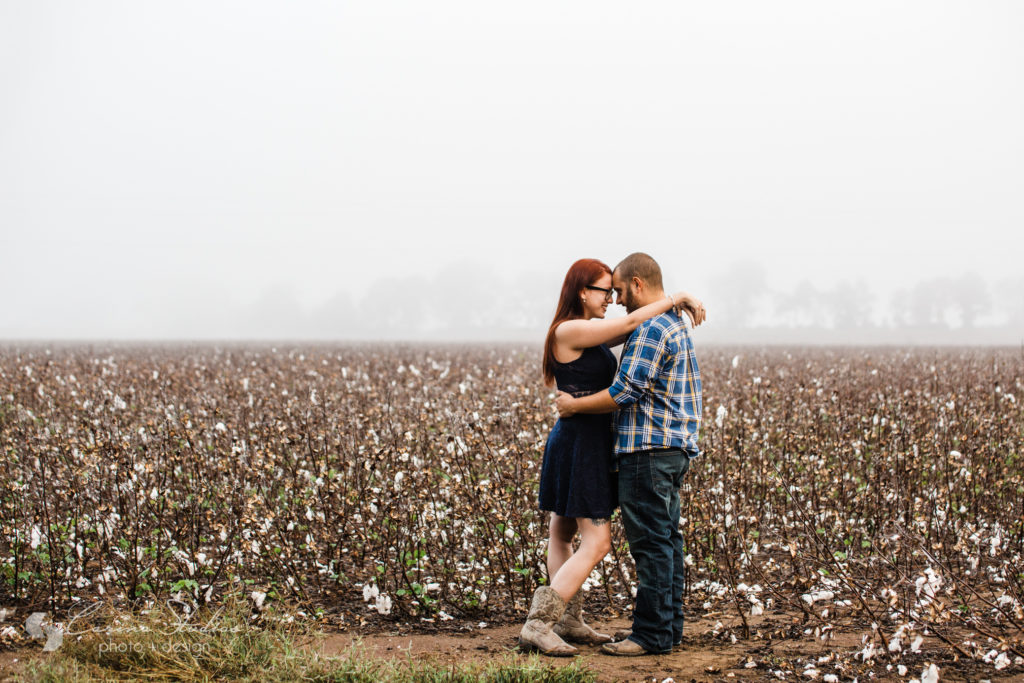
584, 272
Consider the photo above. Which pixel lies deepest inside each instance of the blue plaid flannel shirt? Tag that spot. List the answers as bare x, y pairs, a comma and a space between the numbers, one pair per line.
657, 388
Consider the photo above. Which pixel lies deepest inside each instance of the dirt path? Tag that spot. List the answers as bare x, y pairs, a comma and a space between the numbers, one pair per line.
701, 657
704, 656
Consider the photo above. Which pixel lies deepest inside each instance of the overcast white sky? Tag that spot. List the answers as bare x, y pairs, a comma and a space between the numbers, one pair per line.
168, 168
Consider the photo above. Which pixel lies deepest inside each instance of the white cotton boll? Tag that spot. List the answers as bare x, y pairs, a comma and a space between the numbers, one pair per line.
901, 670
930, 674
915, 646
383, 604
868, 653
735, 361
258, 597
36, 538
831, 678
817, 596
720, 416
1002, 661
220, 427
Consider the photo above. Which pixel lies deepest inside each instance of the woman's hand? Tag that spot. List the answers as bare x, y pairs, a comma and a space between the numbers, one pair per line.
692, 306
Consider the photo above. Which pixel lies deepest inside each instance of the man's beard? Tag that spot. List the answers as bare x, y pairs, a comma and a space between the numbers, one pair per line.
629, 301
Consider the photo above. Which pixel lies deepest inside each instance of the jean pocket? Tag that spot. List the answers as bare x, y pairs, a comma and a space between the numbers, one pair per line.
662, 483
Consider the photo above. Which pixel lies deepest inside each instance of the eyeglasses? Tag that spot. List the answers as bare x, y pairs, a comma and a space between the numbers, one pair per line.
608, 292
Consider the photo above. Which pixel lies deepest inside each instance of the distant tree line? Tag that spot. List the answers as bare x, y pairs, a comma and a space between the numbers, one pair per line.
470, 303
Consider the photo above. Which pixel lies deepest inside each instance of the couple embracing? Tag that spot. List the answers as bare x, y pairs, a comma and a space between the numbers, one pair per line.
624, 439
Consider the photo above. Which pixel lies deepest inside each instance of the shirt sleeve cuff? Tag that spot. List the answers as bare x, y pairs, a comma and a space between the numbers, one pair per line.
621, 394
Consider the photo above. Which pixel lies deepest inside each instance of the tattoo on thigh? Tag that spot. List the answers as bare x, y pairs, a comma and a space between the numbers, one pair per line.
601, 521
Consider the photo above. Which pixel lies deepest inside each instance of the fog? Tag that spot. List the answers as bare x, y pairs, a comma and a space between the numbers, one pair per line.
815, 172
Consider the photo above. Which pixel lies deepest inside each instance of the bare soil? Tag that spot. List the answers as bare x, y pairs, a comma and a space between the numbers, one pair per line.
707, 653
703, 656
693, 662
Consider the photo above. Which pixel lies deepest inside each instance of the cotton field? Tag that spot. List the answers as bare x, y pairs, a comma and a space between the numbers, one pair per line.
875, 492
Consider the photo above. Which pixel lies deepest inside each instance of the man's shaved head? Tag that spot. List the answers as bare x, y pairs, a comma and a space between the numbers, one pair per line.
642, 266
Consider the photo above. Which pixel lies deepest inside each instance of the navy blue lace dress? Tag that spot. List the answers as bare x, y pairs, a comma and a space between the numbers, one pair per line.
576, 479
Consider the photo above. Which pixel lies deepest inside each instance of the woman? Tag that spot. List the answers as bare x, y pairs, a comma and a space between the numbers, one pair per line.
577, 484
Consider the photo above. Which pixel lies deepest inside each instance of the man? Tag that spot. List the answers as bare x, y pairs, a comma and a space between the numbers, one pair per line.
657, 393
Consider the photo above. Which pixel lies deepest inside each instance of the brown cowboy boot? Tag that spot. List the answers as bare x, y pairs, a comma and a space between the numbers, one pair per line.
572, 627
546, 610
624, 634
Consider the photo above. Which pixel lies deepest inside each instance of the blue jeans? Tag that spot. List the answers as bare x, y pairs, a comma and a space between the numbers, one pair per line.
649, 498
